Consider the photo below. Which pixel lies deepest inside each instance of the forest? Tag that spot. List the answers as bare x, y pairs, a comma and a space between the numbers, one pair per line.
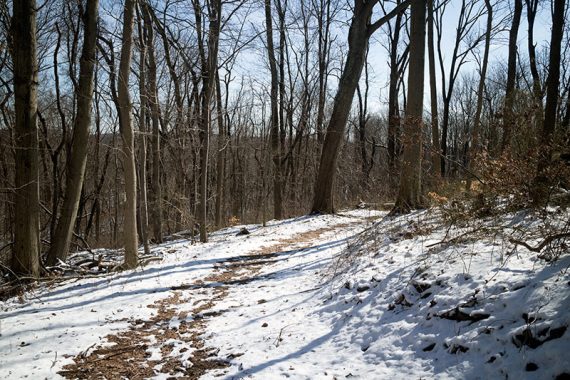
127, 125
125, 122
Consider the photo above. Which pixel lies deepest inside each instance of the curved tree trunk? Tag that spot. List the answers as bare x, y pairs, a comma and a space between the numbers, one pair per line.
358, 36
357, 42
76, 167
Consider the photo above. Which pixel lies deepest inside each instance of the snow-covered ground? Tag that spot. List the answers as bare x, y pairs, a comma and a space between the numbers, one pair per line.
319, 297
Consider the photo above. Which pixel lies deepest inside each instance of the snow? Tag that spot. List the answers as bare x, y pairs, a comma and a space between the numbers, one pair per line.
336, 297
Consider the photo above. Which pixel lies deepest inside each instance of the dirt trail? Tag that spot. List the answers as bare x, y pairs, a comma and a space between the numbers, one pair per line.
128, 356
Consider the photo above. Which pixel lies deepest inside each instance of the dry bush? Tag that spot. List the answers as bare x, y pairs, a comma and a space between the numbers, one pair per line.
510, 180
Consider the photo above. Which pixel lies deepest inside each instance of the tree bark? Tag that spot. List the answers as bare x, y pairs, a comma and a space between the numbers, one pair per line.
209, 63
155, 198
142, 149
357, 42
359, 33
274, 124
409, 195
221, 155
26, 249
128, 152
78, 158
552, 94
393, 106
508, 118
474, 149
435, 153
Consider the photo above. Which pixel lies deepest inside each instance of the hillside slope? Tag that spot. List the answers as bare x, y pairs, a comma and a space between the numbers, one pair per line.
356, 295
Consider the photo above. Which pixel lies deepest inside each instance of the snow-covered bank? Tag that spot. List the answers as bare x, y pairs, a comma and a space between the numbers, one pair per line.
314, 298
404, 305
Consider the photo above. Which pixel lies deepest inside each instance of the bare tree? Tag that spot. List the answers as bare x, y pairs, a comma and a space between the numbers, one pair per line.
474, 149
552, 94
360, 31
155, 196
508, 119
465, 42
435, 153
130, 239
26, 248
274, 123
78, 157
208, 55
143, 121
409, 194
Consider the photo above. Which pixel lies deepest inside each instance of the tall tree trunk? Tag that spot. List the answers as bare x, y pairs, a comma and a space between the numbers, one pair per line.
474, 149
142, 150
78, 157
155, 198
508, 118
435, 153
393, 106
209, 63
550, 109
127, 134
221, 154
26, 249
362, 121
532, 9
323, 25
274, 124
358, 36
357, 42
409, 195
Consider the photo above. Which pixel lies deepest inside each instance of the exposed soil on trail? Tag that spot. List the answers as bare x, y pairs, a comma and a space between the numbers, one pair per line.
126, 354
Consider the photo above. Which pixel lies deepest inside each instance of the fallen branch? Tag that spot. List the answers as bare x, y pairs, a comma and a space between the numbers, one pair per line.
545, 242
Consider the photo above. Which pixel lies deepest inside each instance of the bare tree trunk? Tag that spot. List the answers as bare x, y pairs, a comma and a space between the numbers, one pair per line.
357, 42
362, 121
358, 36
508, 118
393, 107
409, 195
435, 153
220, 156
274, 125
209, 65
78, 158
155, 200
323, 22
474, 149
127, 134
142, 159
532, 9
26, 249
552, 94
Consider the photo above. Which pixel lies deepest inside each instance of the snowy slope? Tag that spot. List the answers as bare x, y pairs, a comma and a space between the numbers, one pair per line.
316, 298
386, 314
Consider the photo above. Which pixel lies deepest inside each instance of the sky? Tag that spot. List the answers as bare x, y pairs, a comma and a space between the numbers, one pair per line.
252, 62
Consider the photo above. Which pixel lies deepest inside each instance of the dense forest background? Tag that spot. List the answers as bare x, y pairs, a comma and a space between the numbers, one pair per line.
123, 122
